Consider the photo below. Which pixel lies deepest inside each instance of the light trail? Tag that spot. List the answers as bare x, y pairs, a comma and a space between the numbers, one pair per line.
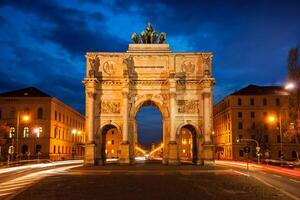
15, 186
156, 149
40, 165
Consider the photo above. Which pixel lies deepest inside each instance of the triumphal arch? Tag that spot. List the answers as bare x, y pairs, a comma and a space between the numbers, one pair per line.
119, 84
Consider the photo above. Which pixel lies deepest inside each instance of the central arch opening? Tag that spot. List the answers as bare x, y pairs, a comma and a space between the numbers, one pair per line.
149, 129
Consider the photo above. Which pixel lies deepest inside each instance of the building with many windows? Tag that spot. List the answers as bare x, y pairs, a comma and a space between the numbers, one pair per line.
41, 126
257, 113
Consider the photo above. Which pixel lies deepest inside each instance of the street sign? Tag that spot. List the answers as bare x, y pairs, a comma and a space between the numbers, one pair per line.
247, 149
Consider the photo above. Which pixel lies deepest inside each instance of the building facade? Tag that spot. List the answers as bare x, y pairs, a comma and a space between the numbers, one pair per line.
246, 114
119, 84
41, 125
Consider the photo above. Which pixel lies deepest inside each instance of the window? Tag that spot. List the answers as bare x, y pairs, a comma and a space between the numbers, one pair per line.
38, 148
253, 126
241, 153
252, 114
266, 138
294, 155
40, 113
55, 132
279, 154
12, 131
240, 125
278, 139
240, 114
26, 132
112, 141
239, 101
265, 102
277, 102
112, 132
12, 112
54, 149
252, 102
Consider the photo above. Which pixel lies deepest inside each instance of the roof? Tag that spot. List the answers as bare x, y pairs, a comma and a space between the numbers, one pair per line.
261, 90
25, 92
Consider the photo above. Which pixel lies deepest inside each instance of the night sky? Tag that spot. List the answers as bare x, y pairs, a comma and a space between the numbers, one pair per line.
43, 43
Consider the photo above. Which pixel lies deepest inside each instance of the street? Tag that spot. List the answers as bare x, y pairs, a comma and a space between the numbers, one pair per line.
224, 180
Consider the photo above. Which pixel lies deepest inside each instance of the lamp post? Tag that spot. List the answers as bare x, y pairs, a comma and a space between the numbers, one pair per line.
74, 132
273, 119
37, 132
25, 118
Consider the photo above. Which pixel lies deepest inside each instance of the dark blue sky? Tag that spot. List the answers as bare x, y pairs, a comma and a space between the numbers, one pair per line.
43, 43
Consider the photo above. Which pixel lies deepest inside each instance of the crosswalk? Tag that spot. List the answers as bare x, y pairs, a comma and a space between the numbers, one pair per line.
11, 188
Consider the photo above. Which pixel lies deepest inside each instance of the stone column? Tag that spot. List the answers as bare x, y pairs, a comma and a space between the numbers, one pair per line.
207, 128
173, 147
89, 158
125, 153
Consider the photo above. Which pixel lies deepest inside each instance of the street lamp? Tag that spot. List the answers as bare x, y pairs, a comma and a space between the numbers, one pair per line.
25, 118
273, 119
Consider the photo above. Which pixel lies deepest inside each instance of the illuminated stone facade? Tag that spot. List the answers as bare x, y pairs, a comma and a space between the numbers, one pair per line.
118, 85
53, 129
244, 114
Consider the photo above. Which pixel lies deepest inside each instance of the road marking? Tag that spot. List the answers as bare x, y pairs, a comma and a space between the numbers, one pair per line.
276, 175
294, 180
277, 188
238, 172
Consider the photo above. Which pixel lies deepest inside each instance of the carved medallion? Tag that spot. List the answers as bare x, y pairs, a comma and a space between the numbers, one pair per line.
109, 68
188, 106
188, 66
110, 107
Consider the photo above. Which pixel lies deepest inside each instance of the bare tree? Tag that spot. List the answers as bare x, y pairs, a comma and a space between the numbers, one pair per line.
294, 98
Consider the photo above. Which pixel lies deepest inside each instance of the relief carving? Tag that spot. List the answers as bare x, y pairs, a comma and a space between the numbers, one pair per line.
188, 106
188, 67
108, 107
109, 68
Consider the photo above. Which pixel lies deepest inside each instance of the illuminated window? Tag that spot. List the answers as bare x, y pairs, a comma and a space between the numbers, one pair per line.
108, 142
26, 132
12, 131
112, 151
40, 113
183, 141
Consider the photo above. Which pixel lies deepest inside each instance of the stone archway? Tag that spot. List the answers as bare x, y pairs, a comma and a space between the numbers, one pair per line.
148, 101
188, 143
117, 84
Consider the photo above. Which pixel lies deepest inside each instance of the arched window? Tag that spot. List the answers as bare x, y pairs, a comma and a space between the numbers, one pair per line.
40, 113
26, 132
294, 155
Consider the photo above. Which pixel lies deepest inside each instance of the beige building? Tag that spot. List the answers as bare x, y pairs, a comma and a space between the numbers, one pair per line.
46, 127
246, 114
119, 84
